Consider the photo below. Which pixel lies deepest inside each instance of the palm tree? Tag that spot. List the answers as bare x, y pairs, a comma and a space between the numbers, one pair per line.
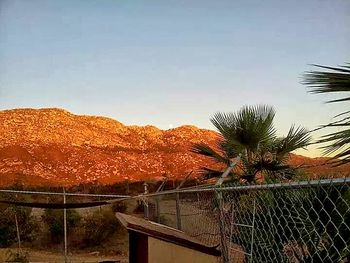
250, 134
334, 80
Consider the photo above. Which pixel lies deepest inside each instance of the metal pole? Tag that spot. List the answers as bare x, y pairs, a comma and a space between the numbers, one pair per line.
177, 200
127, 186
178, 212
232, 165
17, 228
184, 180
145, 201
65, 227
157, 209
252, 238
18, 235
231, 227
222, 228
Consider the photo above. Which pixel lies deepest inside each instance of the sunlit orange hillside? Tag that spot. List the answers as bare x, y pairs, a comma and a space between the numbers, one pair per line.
53, 146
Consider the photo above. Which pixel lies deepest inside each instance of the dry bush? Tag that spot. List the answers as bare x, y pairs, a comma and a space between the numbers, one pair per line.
54, 221
97, 227
119, 207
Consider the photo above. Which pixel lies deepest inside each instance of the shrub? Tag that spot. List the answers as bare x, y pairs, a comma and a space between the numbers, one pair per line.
119, 207
54, 221
98, 227
17, 256
139, 207
28, 226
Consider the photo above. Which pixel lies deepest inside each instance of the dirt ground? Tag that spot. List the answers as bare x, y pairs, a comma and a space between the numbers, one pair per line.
54, 257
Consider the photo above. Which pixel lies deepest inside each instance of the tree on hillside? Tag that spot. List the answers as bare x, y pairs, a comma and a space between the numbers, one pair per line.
54, 221
250, 133
12, 217
333, 80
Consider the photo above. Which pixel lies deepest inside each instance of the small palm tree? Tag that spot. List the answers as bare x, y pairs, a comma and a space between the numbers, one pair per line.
250, 133
334, 80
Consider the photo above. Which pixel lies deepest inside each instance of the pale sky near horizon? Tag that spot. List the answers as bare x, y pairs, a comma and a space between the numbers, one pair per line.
170, 62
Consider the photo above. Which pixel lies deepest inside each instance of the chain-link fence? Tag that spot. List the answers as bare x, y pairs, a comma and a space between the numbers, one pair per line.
34, 229
290, 222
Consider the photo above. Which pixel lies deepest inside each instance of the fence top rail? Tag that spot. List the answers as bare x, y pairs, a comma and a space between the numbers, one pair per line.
206, 188
57, 193
297, 184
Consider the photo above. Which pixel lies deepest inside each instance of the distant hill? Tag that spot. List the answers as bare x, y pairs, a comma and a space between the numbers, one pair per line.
53, 146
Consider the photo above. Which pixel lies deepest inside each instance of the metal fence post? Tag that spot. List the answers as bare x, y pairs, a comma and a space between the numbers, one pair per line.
178, 212
157, 209
219, 182
145, 201
222, 228
252, 237
18, 234
177, 200
65, 226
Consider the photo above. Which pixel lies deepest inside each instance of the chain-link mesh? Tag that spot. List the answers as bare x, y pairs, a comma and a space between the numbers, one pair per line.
294, 222
37, 234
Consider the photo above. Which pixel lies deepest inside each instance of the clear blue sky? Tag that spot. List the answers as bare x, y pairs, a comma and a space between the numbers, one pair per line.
170, 62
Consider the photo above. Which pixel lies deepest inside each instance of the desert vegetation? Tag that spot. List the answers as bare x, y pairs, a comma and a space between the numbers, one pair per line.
10, 217
30, 229
53, 220
94, 226
250, 134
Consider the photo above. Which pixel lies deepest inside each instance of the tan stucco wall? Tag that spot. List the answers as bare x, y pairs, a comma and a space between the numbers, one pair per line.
164, 252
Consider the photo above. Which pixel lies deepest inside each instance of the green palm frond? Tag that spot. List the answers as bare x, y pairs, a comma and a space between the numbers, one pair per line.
223, 123
334, 80
270, 165
249, 127
256, 124
297, 137
337, 79
206, 150
250, 133
230, 149
207, 173
275, 169
340, 143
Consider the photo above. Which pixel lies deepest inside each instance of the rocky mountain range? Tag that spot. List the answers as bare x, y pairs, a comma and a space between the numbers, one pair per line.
55, 147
